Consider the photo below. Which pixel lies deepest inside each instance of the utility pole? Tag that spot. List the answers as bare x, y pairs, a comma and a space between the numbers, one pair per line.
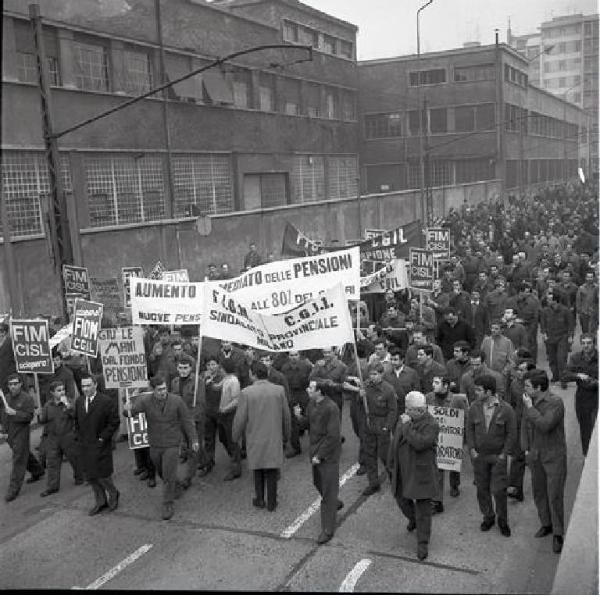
60, 233
427, 167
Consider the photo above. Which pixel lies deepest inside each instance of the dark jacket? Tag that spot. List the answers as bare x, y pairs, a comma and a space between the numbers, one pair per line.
527, 307
479, 321
95, 429
455, 370
412, 458
426, 375
382, 403
586, 389
17, 424
517, 334
500, 437
185, 389
557, 322
57, 419
166, 424
402, 384
297, 374
335, 371
447, 335
324, 430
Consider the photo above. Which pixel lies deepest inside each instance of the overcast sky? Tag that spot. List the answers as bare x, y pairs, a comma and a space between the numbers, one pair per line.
388, 27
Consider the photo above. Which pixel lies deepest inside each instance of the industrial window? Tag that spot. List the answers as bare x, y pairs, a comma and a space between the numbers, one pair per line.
27, 69
427, 77
241, 93
438, 120
348, 106
266, 93
485, 115
308, 36
26, 59
479, 72
440, 173
307, 178
515, 76
413, 122
138, 72
288, 92
329, 45
264, 190
124, 189
342, 175
474, 170
332, 103
290, 31
25, 187
464, 118
202, 180
414, 175
217, 87
383, 125
91, 66
346, 48
313, 100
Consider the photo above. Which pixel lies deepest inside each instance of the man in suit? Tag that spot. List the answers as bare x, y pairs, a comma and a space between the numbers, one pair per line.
479, 319
96, 420
412, 467
402, 378
263, 414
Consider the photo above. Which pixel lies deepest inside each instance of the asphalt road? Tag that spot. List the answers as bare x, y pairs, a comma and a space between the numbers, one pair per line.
217, 540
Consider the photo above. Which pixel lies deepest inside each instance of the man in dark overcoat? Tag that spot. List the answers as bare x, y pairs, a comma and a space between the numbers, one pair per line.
96, 420
412, 467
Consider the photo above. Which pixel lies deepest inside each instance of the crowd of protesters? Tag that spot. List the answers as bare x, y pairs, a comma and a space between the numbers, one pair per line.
520, 271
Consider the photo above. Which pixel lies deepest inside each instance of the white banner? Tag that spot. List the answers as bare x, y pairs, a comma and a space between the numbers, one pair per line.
393, 275
276, 287
320, 322
123, 357
450, 439
154, 301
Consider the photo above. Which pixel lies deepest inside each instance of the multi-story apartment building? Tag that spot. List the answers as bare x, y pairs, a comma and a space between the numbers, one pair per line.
261, 131
564, 61
482, 120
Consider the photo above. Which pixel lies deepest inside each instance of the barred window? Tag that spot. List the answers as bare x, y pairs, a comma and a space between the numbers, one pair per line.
383, 125
138, 72
479, 72
464, 118
486, 116
202, 180
346, 48
27, 69
474, 170
25, 186
341, 176
240, 93
307, 178
414, 175
438, 121
124, 189
427, 77
440, 173
290, 31
91, 66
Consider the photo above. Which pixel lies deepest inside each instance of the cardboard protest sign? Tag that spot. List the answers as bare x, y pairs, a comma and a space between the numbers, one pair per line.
450, 439
295, 243
127, 272
180, 276
137, 426
373, 233
437, 239
157, 270
76, 282
87, 318
31, 346
320, 322
154, 301
276, 287
421, 269
393, 275
106, 291
123, 357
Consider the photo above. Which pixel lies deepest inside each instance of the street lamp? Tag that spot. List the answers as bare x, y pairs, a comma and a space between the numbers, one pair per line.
420, 112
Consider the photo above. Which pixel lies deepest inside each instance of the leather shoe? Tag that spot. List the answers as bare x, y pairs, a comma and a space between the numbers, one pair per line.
517, 495
79, 482
487, 524
543, 531
412, 525
436, 507
10, 496
231, 476
422, 552
137, 471
98, 508
143, 475
206, 469
371, 489
271, 506
324, 538
454, 492
258, 503
340, 505
557, 544
47, 493
167, 511
361, 470
35, 478
504, 529
114, 502
291, 453
151, 482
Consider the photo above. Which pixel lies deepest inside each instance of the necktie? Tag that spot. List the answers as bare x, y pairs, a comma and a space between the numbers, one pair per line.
88, 402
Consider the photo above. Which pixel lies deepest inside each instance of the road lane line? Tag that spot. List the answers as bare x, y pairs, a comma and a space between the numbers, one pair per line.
352, 577
118, 568
291, 529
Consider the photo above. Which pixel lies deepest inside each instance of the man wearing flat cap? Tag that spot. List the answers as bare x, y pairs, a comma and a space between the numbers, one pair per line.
412, 467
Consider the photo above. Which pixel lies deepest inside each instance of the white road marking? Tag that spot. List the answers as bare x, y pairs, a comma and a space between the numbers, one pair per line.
118, 568
352, 577
291, 529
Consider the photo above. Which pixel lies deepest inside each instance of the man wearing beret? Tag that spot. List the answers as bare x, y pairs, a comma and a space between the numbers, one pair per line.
412, 467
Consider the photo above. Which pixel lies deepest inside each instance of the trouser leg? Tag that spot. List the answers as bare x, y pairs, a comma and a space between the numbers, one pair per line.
259, 484
498, 484
423, 520
53, 464
357, 417
233, 448
328, 482
482, 473
98, 490
532, 333
72, 451
556, 475
540, 493
270, 476
517, 467
108, 486
562, 352
551, 352
584, 321
383, 446
33, 465
145, 461
170, 459
439, 496
20, 458
339, 401
407, 506
586, 410
454, 477
370, 450
210, 435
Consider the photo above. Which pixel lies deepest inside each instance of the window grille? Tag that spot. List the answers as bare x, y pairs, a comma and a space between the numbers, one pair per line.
202, 180
124, 189
138, 72
91, 66
25, 187
27, 69
341, 177
307, 178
